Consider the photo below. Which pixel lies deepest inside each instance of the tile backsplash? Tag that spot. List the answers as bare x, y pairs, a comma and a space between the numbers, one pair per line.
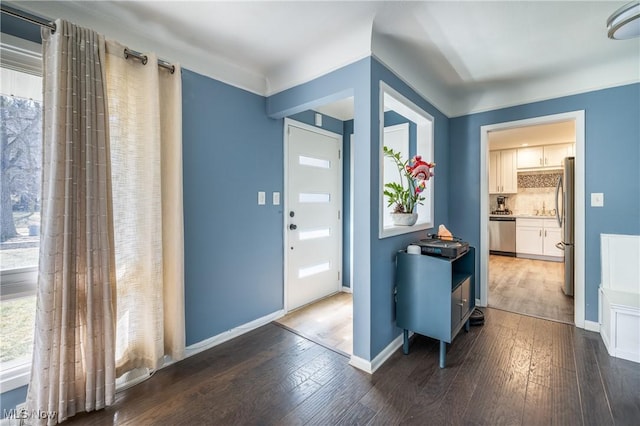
539, 180
535, 192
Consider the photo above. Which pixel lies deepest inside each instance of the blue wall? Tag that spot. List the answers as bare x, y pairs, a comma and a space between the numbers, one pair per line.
328, 123
351, 80
612, 158
232, 150
373, 266
233, 246
390, 118
383, 251
19, 28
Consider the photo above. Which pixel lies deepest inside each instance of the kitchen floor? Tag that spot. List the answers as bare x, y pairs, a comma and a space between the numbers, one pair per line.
530, 287
328, 322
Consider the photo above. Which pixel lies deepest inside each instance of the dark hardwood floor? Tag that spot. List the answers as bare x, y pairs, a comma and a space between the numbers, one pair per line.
514, 370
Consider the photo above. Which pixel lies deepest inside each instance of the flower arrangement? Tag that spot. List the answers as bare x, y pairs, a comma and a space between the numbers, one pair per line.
416, 176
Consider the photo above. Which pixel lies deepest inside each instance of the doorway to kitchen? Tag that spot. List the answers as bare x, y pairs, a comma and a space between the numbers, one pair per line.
523, 243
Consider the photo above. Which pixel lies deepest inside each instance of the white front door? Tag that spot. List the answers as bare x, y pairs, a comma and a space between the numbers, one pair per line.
312, 216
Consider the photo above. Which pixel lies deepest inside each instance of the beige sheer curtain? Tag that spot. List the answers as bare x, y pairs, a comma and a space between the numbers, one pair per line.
73, 361
145, 114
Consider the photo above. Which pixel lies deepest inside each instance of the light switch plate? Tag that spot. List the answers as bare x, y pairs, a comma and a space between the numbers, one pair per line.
262, 198
276, 198
597, 199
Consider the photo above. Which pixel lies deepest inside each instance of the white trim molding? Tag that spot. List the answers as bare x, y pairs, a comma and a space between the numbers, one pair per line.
346, 289
579, 118
230, 334
371, 366
591, 326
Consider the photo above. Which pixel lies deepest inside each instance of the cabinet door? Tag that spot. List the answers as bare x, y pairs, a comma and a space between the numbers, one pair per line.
456, 309
509, 171
551, 238
530, 157
529, 240
554, 154
494, 172
466, 297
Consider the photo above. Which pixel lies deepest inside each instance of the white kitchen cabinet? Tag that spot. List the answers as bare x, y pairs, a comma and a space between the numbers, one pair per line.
538, 238
503, 173
528, 240
530, 158
552, 236
555, 154
541, 157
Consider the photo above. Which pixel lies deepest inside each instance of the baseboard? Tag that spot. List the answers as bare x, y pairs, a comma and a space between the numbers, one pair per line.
371, 366
591, 326
230, 334
346, 289
478, 304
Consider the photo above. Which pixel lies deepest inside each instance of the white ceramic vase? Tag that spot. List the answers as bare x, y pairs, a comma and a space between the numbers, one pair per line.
404, 219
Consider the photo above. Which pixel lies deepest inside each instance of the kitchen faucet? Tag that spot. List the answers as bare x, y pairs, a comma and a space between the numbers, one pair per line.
544, 209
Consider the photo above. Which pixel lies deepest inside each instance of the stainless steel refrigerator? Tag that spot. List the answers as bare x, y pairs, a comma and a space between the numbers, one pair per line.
565, 213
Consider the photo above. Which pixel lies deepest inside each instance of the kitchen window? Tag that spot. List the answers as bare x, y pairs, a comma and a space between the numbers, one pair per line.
20, 202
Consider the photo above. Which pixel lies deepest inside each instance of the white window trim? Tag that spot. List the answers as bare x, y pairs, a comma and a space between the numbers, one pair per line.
24, 56
425, 123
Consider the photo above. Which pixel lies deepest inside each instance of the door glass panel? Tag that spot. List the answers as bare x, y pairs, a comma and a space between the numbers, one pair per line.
313, 270
304, 197
314, 162
314, 233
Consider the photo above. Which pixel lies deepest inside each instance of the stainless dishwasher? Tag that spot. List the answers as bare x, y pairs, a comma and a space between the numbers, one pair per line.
502, 235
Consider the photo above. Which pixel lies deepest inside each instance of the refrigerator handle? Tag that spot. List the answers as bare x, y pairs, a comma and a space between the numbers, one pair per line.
558, 188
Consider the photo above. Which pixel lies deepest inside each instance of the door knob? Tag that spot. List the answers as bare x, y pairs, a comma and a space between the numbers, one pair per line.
293, 227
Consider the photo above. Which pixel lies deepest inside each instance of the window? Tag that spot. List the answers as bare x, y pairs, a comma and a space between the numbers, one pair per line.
408, 129
20, 179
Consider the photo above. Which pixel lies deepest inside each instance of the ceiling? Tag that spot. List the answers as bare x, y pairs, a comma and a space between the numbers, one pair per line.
541, 134
461, 56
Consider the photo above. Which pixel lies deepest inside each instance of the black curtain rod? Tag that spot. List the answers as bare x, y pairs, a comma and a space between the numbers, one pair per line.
52, 26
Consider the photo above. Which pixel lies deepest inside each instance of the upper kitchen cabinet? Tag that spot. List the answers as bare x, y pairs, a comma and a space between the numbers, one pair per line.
503, 172
544, 157
529, 158
555, 154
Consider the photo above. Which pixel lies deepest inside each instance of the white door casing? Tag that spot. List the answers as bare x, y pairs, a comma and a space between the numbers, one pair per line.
312, 215
579, 118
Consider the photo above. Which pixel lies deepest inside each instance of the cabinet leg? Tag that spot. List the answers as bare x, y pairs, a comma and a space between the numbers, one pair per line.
466, 325
443, 353
405, 344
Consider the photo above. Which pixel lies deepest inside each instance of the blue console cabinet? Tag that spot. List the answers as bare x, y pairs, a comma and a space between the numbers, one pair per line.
435, 296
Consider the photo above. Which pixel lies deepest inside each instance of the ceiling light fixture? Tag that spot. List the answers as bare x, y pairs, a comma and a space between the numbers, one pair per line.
624, 23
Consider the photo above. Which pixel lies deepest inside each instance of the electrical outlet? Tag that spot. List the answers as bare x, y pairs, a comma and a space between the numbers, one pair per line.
276, 198
262, 198
597, 199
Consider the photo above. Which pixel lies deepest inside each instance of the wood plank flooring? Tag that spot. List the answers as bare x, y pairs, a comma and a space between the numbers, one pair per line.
328, 321
531, 287
514, 370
